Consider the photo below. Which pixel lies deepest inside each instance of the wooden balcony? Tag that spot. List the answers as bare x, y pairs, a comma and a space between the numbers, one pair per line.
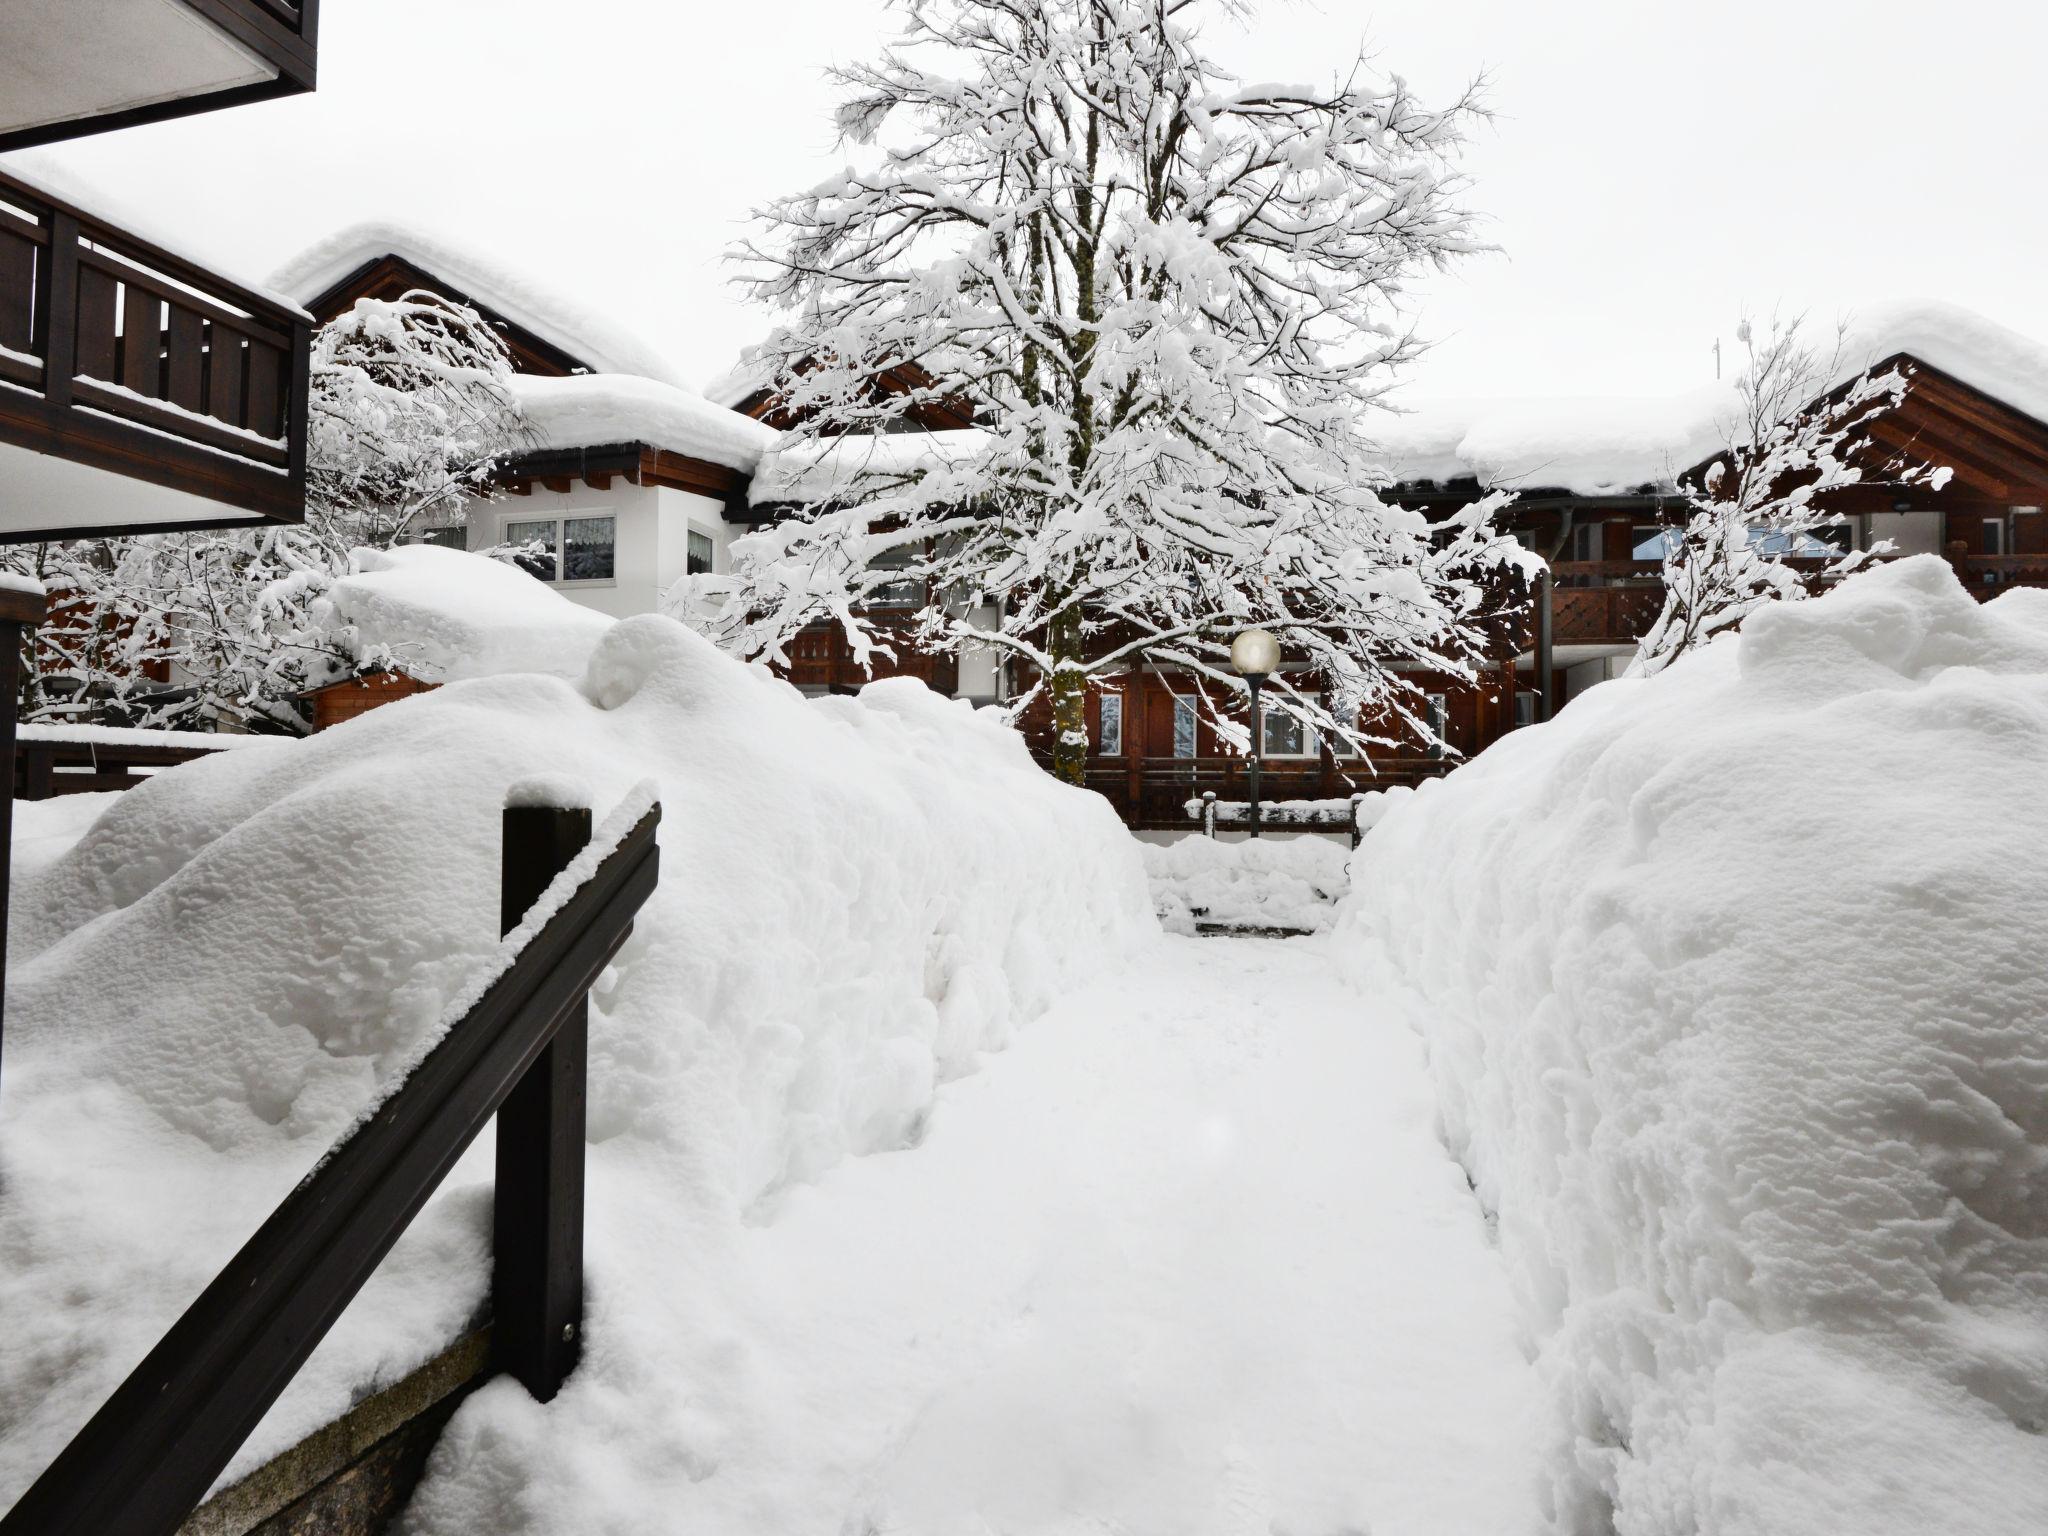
1988, 575
1153, 792
138, 391
821, 660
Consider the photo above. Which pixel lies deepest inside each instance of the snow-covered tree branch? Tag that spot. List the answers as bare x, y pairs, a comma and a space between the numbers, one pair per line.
1800, 431
1170, 301
408, 411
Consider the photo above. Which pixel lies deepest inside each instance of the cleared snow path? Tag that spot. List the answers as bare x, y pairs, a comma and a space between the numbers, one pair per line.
1186, 1259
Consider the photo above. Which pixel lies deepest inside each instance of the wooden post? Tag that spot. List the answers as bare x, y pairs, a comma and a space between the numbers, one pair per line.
1546, 691
537, 1248
1209, 814
20, 613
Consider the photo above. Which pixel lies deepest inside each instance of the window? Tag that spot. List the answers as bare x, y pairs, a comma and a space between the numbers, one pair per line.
1588, 542
1283, 735
1647, 541
1525, 706
569, 548
701, 552
896, 594
1111, 736
1993, 542
1183, 727
1439, 718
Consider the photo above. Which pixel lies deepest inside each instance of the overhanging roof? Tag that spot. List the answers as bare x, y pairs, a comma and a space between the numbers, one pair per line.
74, 67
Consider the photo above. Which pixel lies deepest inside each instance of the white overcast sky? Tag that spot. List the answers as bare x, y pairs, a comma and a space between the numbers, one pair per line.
1653, 167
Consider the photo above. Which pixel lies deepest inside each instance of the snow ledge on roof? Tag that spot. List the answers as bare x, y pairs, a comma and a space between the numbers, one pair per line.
603, 343
589, 410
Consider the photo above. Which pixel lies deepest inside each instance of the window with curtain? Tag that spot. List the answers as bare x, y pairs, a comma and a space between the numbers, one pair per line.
569, 548
1284, 736
1110, 738
1183, 727
699, 563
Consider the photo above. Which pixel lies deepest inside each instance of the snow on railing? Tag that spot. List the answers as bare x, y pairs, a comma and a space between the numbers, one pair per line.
1304, 815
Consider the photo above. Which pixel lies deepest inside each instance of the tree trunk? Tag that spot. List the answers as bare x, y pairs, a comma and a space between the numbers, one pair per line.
1069, 700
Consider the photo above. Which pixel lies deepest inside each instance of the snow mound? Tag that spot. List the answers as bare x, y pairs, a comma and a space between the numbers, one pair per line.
1267, 882
603, 408
444, 615
235, 957
479, 278
1737, 1006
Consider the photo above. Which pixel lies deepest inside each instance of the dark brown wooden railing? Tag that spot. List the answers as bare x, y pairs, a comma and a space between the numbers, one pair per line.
134, 360
147, 1458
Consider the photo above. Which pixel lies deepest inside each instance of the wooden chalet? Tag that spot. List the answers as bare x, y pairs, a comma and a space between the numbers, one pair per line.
1152, 750
631, 473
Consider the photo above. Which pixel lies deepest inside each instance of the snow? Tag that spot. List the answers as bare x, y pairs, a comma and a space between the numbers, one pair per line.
1585, 445
60, 182
587, 334
21, 581
588, 410
237, 956
1265, 882
179, 412
1732, 985
815, 469
443, 615
1981, 353
1598, 446
1186, 1257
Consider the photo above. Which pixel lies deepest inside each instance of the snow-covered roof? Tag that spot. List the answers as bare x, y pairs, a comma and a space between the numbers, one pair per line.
603, 342
1987, 356
1588, 446
587, 410
739, 381
814, 468
60, 182
1609, 446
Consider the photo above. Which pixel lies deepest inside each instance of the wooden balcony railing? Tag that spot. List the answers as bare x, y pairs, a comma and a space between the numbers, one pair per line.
1982, 573
1156, 794
820, 658
135, 361
143, 1462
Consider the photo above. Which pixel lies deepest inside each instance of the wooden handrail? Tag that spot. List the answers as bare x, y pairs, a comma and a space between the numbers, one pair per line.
146, 1459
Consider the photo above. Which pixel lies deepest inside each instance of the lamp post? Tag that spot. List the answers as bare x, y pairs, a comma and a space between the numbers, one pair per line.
1256, 655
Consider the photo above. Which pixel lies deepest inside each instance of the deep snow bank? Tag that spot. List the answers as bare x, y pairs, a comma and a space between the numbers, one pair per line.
212, 981
1736, 996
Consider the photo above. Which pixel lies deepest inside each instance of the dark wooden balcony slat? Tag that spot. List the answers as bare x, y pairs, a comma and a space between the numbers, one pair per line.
97, 355
264, 401
17, 291
141, 340
215, 301
226, 362
186, 359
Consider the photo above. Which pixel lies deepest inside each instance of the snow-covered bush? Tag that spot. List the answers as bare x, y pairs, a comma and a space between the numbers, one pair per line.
1736, 998
858, 896
1267, 882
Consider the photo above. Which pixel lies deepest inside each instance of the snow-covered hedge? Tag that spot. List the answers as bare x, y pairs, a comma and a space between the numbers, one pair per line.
858, 896
1267, 882
1735, 985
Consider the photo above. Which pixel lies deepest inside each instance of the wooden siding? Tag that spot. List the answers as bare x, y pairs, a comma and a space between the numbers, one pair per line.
339, 703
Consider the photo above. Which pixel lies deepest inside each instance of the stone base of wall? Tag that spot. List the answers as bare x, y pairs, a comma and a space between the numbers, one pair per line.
353, 1477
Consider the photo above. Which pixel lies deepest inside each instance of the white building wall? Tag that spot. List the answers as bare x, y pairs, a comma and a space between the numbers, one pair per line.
1915, 533
653, 525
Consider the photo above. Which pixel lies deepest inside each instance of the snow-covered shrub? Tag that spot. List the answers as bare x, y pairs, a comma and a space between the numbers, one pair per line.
1736, 997
858, 896
1267, 882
